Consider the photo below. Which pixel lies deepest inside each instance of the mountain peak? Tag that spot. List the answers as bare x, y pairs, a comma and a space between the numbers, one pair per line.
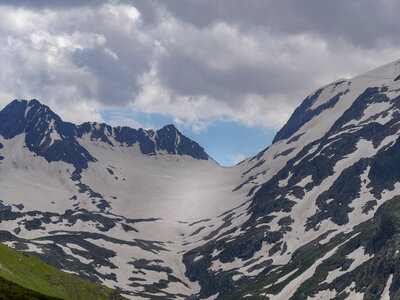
47, 135
169, 138
337, 96
19, 116
322, 99
26, 103
170, 127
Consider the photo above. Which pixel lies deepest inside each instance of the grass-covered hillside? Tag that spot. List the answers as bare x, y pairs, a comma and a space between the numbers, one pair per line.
11, 290
25, 277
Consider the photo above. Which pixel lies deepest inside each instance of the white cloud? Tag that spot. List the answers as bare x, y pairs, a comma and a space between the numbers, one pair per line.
78, 111
82, 60
236, 158
111, 53
126, 122
122, 17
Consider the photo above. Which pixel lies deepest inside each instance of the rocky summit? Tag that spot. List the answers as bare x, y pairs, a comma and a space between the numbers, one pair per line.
316, 215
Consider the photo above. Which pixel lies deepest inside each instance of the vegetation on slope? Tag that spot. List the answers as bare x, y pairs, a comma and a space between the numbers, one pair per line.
31, 273
11, 290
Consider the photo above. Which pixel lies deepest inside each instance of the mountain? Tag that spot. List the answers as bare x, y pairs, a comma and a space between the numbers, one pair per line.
48, 136
313, 216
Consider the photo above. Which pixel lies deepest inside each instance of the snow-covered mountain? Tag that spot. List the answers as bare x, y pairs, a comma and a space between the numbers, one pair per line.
313, 216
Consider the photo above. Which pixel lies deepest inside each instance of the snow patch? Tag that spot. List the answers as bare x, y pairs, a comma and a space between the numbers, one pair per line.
386, 292
358, 256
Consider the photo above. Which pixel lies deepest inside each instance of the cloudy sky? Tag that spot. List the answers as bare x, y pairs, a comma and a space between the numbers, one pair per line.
228, 73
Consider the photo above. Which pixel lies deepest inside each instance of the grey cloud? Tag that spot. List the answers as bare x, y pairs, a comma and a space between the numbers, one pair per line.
189, 76
145, 7
223, 51
40, 4
364, 23
110, 80
117, 78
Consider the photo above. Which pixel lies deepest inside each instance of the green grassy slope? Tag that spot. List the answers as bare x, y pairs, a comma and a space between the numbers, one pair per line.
11, 290
31, 273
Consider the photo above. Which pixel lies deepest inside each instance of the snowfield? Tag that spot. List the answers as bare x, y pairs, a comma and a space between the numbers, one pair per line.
130, 219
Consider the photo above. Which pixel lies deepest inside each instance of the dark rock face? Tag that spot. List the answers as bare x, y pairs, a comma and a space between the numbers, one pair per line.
167, 139
304, 113
48, 136
39, 122
171, 140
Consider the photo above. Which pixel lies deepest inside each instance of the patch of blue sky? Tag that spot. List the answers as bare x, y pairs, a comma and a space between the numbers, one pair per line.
226, 142
230, 142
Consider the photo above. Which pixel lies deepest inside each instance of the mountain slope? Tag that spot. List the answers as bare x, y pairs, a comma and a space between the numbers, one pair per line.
30, 273
11, 290
151, 214
119, 218
323, 175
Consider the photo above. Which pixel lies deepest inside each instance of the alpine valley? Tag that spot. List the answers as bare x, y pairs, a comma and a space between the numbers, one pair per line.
316, 215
